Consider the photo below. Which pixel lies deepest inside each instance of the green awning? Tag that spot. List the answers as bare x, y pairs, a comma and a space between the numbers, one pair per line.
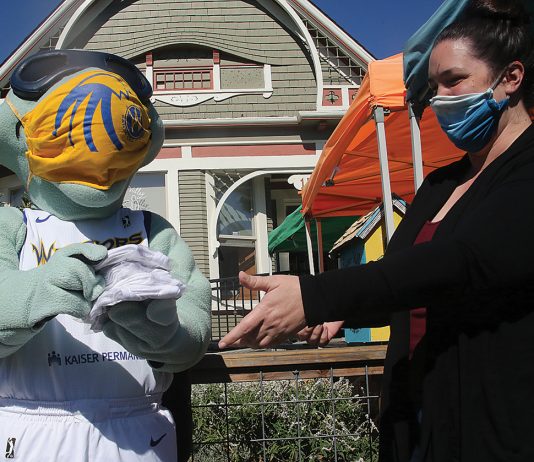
290, 236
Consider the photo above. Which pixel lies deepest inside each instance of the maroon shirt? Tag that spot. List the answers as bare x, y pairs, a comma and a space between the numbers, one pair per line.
418, 315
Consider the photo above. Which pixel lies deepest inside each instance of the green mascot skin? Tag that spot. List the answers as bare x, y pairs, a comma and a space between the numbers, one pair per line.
172, 337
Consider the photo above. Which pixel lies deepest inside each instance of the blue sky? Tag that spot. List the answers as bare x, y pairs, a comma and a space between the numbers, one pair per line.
381, 26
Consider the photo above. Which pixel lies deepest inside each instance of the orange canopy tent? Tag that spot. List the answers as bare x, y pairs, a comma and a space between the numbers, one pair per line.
348, 178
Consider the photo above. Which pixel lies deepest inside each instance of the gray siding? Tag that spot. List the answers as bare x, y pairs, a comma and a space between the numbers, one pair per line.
193, 216
237, 27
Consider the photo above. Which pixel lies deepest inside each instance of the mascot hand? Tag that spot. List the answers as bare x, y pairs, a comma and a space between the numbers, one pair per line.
146, 330
68, 283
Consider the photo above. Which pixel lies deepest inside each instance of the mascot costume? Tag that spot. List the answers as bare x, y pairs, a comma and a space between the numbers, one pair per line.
75, 128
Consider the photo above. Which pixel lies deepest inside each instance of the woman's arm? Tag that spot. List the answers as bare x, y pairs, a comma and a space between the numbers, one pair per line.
490, 252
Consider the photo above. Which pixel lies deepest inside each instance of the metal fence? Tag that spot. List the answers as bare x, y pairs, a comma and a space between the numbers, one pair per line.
295, 403
230, 302
297, 419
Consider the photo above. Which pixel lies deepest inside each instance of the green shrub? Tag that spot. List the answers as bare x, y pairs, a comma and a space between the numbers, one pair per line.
294, 430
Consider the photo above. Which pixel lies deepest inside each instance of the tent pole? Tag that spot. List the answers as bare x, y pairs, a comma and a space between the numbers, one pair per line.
309, 246
384, 170
417, 155
320, 255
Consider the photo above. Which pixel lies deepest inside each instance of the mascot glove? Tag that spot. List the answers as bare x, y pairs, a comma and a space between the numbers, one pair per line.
146, 329
67, 283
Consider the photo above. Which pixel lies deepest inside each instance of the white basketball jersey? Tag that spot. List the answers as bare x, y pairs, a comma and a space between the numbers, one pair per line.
67, 361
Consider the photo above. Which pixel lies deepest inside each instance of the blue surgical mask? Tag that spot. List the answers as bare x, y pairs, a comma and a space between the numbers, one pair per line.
469, 120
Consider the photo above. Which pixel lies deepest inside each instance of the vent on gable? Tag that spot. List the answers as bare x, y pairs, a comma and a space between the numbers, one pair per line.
335, 59
51, 42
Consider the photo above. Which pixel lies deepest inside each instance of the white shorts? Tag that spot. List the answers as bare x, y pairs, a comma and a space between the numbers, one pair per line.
86, 431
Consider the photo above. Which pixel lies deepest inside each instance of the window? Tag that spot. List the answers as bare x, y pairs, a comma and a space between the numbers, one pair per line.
177, 72
235, 257
237, 212
147, 192
235, 227
183, 79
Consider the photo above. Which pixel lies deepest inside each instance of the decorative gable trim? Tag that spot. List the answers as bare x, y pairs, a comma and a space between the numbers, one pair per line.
312, 13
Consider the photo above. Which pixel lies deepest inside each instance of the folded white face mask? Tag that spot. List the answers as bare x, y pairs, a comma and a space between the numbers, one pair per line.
133, 273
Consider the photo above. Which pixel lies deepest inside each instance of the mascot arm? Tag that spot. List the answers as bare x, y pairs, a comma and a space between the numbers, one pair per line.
66, 284
171, 335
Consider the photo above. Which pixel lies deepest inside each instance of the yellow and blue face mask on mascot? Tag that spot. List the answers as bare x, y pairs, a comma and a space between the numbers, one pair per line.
91, 130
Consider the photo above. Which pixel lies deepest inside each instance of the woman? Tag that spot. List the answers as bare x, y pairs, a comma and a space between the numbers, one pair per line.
464, 252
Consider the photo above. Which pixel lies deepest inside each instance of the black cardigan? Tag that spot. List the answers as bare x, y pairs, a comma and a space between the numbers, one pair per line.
476, 277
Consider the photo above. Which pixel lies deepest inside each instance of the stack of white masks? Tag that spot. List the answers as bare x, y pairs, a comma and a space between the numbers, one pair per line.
133, 273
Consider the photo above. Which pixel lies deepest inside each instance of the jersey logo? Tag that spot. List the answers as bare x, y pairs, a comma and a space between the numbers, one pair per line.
132, 123
42, 220
54, 358
97, 95
114, 242
10, 448
42, 254
154, 442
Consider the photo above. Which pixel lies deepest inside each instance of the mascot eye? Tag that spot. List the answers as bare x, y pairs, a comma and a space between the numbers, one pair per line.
17, 129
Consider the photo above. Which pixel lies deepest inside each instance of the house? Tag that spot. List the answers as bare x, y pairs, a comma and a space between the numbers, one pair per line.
249, 91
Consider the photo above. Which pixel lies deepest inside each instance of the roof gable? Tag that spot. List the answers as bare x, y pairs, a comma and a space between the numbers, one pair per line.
74, 15
329, 29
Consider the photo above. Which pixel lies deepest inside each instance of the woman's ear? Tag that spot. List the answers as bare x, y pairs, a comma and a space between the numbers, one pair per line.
513, 77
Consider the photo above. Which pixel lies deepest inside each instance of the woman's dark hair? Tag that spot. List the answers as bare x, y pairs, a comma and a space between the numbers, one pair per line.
498, 31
